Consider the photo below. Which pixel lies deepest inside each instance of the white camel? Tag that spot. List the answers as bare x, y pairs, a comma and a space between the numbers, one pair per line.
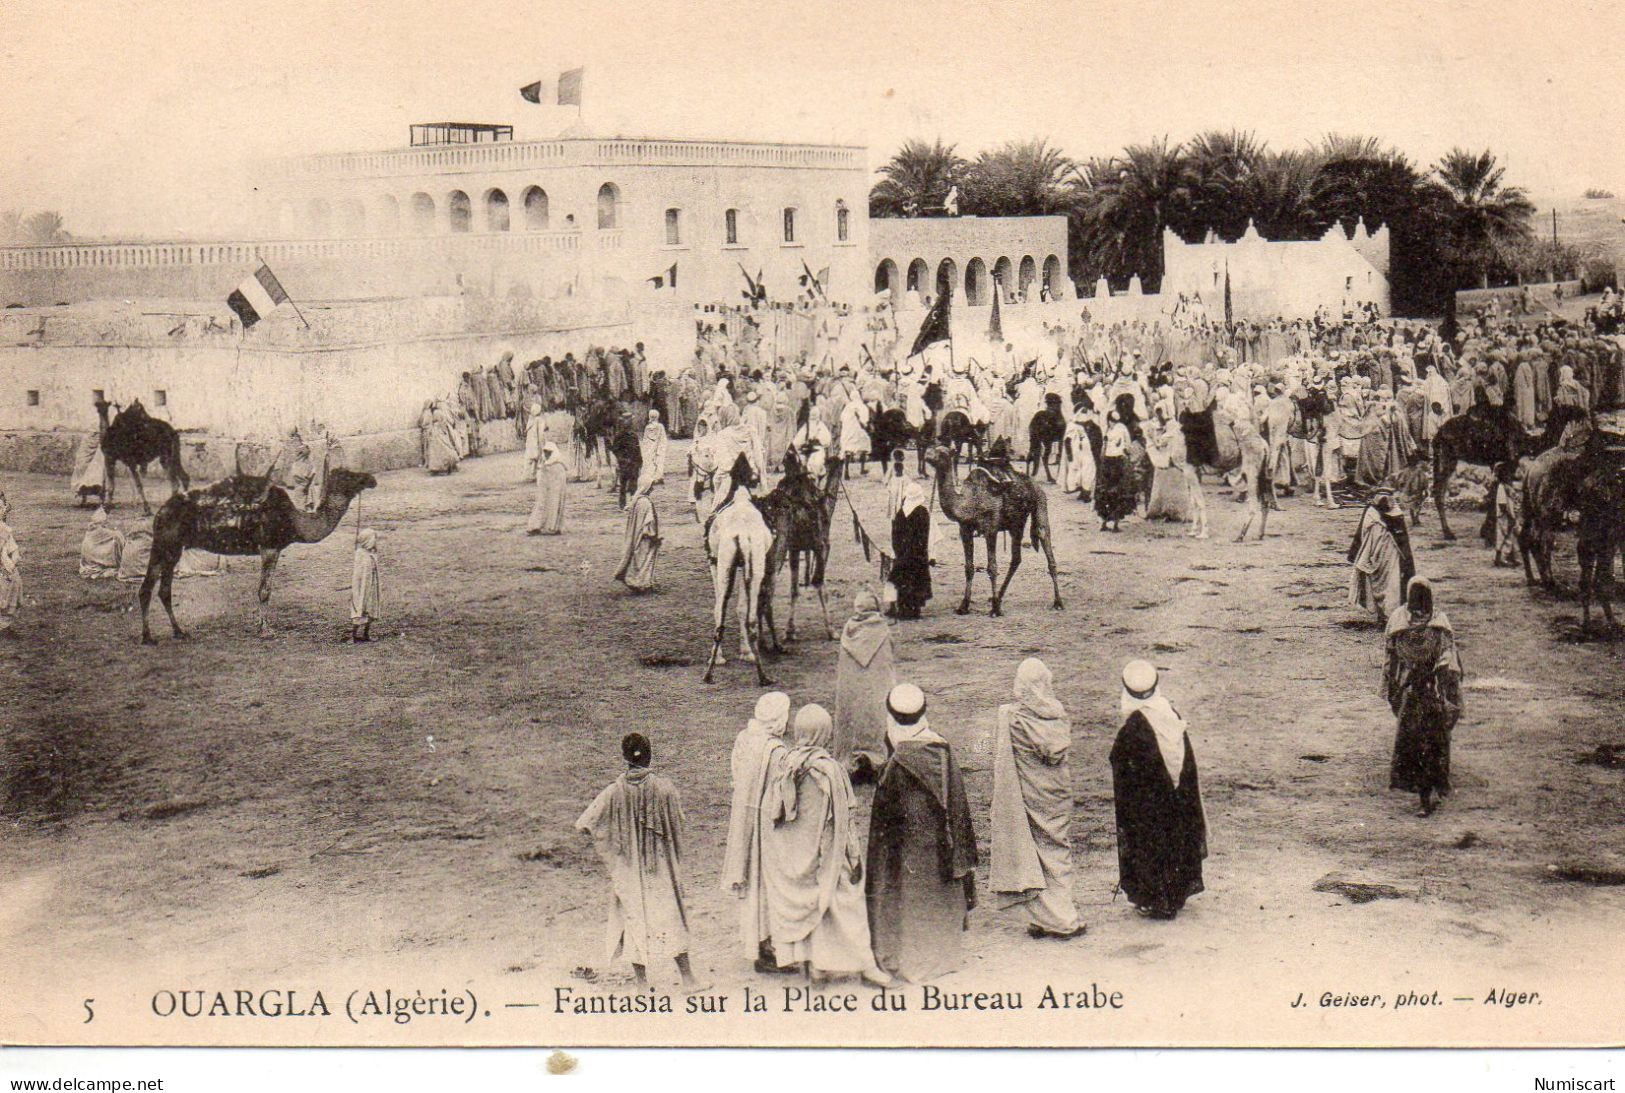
737, 541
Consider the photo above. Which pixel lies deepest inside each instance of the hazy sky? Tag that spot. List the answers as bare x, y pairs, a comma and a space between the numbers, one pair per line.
137, 116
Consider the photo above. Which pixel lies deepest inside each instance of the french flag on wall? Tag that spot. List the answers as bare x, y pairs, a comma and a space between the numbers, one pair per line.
257, 296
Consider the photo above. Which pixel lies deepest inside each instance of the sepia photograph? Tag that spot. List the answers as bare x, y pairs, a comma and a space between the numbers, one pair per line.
931, 525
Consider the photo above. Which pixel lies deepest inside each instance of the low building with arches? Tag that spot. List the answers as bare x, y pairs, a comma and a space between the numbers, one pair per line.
1024, 258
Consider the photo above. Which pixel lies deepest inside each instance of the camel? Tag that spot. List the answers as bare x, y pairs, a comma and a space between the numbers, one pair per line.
737, 540
135, 438
1045, 434
799, 513
242, 515
1601, 501
1487, 437
985, 507
892, 432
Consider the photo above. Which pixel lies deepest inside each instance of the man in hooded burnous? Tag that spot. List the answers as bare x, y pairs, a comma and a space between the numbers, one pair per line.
922, 848
1161, 825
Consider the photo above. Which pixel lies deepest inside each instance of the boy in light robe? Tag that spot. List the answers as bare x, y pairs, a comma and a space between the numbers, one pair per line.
11, 580
364, 587
636, 825
637, 569
758, 758
1032, 806
812, 860
547, 514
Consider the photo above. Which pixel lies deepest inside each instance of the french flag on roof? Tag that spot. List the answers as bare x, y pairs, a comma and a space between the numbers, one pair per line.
257, 296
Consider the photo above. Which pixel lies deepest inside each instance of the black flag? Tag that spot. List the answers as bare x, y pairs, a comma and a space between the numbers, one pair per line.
532, 92
935, 328
664, 280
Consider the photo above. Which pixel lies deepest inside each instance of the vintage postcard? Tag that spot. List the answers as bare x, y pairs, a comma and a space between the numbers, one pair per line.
862, 524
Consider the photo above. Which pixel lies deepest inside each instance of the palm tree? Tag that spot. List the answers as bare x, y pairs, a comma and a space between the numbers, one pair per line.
1280, 195
918, 177
1218, 167
45, 227
1123, 206
1480, 211
1020, 178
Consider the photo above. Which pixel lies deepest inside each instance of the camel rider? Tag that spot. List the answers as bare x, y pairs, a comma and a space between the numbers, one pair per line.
813, 439
961, 395
995, 464
298, 471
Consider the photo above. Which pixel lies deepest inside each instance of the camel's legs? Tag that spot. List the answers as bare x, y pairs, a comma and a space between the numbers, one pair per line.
1487, 532
109, 479
723, 580
967, 538
146, 598
993, 570
268, 559
748, 596
1015, 564
1443, 468
1054, 577
166, 580
795, 590
146, 509
753, 573
823, 607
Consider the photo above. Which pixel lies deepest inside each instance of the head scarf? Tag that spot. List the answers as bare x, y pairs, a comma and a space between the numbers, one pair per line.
97, 518
646, 482
367, 540
814, 729
551, 451
1034, 691
1418, 609
866, 631
913, 497
1142, 695
772, 713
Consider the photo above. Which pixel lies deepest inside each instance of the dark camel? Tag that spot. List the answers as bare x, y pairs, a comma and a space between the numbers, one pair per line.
982, 506
240, 516
1486, 437
135, 438
798, 512
1045, 434
1601, 501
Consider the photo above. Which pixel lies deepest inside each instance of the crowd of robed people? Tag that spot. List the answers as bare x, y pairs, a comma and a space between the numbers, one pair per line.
821, 894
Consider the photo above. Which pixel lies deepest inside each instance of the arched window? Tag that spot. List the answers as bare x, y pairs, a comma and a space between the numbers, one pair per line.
789, 225
536, 209
886, 279
674, 227
947, 276
917, 273
843, 223
459, 212
730, 227
976, 283
1029, 273
496, 211
1053, 277
316, 217
422, 214
609, 206
1003, 274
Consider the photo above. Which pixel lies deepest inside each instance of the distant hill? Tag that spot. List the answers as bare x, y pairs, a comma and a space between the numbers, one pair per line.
1596, 220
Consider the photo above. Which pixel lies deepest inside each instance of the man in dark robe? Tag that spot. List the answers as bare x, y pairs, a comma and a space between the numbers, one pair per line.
921, 863
1161, 825
911, 548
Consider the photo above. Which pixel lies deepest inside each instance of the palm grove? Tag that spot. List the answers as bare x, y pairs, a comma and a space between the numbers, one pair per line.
1457, 224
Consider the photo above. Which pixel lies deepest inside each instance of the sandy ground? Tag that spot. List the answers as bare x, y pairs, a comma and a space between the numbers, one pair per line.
298, 812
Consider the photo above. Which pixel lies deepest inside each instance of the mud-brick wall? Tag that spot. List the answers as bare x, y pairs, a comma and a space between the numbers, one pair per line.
367, 394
